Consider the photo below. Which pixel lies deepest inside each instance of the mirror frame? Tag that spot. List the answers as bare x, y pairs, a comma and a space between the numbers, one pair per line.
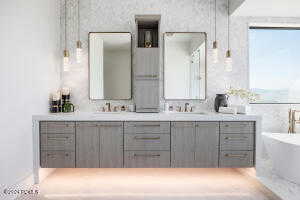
164, 59
131, 68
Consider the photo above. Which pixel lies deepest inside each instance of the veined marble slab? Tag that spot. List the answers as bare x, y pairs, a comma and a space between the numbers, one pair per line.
131, 116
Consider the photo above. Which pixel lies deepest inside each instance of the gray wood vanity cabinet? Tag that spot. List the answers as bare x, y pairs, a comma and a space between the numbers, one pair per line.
237, 144
147, 79
147, 144
57, 144
99, 144
195, 144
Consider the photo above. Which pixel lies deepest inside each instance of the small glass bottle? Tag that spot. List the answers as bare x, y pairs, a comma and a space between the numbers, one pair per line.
148, 39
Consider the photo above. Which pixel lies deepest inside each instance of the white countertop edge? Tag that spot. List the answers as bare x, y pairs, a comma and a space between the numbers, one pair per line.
85, 116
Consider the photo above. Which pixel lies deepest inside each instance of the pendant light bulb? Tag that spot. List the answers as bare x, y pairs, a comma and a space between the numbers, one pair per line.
66, 61
215, 52
228, 61
79, 52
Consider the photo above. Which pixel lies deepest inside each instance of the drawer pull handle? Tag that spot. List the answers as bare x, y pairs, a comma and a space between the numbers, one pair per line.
109, 126
53, 154
146, 138
57, 138
147, 76
148, 125
235, 155
237, 138
146, 155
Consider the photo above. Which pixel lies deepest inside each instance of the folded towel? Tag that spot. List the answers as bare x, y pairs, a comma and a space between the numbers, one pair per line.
228, 110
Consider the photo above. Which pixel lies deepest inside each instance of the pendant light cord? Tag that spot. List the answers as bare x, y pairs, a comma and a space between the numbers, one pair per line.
65, 24
215, 20
228, 23
78, 25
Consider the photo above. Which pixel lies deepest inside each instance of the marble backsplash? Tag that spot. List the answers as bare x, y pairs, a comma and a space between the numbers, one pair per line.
176, 16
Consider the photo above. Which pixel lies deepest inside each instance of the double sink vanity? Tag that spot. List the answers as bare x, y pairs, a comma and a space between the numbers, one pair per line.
145, 140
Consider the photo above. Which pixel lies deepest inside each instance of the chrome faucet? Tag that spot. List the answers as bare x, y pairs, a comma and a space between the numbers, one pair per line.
108, 107
293, 121
186, 107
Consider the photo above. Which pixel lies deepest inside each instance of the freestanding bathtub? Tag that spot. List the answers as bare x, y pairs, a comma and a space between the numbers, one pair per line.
284, 152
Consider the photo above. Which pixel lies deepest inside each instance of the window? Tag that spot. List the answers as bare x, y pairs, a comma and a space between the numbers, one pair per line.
274, 59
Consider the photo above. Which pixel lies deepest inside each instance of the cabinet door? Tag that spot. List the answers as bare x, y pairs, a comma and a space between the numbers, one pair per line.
207, 144
111, 144
147, 96
183, 144
147, 62
87, 145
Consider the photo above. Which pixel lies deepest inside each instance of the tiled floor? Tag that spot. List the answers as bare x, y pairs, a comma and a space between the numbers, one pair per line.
152, 184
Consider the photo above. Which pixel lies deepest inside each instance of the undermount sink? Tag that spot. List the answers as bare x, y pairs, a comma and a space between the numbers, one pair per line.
188, 113
111, 112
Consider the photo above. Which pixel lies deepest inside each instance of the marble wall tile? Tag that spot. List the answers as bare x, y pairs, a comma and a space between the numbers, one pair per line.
176, 16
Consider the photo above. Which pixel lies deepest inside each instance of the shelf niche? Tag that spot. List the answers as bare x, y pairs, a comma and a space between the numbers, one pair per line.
147, 24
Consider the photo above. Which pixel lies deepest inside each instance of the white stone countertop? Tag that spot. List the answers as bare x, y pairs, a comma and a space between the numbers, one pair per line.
131, 116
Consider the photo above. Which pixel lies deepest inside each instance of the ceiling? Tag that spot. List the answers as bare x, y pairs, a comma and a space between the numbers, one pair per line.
268, 8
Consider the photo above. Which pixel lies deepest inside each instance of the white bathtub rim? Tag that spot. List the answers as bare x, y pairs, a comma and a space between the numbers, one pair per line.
286, 138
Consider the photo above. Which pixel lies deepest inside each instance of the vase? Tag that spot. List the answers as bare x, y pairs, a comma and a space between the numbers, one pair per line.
221, 100
237, 100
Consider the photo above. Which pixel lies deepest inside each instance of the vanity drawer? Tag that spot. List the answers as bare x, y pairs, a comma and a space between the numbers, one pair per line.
146, 127
57, 159
58, 142
237, 127
147, 159
237, 141
147, 142
236, 159
57, 127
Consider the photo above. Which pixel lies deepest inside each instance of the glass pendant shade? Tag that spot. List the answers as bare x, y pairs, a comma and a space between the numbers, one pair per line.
66, 63
215, 52
79, 52
228, 62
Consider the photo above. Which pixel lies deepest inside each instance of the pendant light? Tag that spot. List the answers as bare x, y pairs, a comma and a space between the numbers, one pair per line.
215, 43
66, 59
228, 59
78, 43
